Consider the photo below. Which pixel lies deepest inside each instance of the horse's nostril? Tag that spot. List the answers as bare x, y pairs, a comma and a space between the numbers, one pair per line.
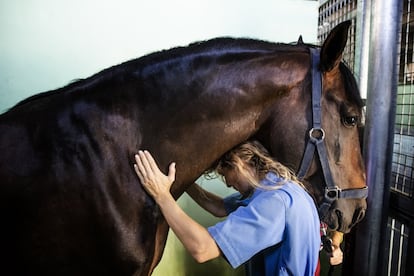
339, 215
361, 215
358, 215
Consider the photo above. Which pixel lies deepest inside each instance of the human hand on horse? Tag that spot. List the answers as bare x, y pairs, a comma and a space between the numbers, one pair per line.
156, 183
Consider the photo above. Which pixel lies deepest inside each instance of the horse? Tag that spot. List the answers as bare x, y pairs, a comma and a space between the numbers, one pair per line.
70, 202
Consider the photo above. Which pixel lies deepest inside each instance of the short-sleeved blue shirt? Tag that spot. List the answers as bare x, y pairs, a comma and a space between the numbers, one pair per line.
277, 231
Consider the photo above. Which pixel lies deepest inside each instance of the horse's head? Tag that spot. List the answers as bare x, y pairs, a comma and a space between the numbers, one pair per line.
342, 114
326, 150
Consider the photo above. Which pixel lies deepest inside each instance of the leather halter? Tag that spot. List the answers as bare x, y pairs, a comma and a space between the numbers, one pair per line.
316, 140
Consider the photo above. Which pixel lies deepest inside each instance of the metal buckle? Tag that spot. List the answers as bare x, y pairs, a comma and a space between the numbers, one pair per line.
316, 135
332, 193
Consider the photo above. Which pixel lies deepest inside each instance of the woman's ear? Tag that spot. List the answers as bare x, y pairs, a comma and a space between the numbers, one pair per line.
333, 47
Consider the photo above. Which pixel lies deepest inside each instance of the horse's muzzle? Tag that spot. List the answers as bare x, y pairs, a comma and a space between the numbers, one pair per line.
343, 217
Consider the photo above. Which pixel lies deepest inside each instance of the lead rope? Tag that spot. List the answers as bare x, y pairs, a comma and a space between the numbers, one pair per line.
326, 244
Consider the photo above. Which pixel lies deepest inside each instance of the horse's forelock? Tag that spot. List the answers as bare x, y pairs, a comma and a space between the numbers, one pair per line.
351, 85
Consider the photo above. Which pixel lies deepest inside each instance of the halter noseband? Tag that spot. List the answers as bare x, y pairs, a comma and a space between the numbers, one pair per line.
316, 139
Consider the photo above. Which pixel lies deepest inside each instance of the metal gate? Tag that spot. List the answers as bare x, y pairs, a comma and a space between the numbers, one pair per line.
397, 251
400, 226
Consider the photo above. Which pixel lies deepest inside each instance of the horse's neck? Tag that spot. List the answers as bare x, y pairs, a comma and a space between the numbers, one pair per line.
197, 145
197, 115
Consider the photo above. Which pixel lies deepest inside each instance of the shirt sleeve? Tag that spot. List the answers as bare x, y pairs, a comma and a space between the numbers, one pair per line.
251, 228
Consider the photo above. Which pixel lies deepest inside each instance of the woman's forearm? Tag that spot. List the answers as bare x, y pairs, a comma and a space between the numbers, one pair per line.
208, 201
194, 237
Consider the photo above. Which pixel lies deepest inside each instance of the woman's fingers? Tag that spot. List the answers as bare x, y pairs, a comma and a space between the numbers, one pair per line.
138, 172
145, 163
155, 182
171, 172
151, 162
139, 166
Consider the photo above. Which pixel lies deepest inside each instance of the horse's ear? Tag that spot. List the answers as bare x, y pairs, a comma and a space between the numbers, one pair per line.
300, 40
331, 52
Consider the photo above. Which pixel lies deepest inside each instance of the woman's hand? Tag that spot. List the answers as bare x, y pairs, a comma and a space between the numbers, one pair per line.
336, 257
154, 181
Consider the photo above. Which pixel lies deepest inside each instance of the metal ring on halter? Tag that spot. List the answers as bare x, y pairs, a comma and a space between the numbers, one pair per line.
317, 135
332, 193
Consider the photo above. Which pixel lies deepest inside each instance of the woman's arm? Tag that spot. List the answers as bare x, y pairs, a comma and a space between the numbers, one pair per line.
194, 237
336, 257
209, 201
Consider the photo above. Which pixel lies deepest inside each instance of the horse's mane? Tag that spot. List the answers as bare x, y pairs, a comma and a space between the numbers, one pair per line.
216, 45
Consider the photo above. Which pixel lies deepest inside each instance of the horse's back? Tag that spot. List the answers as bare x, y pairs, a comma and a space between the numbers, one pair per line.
70, 203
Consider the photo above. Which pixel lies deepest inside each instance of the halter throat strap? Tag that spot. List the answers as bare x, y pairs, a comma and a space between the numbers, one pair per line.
316, 142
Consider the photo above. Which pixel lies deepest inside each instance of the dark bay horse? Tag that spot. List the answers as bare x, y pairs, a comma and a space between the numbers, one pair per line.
70, 203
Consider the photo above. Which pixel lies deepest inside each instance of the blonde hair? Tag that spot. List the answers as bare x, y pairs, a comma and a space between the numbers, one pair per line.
253, 155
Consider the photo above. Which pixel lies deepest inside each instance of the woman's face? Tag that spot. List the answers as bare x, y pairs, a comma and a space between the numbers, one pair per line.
237, 181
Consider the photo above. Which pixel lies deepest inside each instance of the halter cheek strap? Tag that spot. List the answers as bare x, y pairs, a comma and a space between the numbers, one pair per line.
316, 141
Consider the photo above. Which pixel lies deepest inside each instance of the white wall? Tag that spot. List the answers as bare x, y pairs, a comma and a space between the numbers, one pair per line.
44, 44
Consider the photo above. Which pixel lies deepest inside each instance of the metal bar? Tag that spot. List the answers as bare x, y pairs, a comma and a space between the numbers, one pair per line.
363, 37
410, 251
378, 141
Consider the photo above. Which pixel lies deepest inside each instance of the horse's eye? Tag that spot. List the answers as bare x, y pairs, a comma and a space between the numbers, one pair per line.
350, 121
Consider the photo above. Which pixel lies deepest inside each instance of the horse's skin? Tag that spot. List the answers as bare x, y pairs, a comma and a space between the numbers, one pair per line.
70, 202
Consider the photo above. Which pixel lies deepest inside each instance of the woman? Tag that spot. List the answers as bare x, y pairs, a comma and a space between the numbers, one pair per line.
272, 225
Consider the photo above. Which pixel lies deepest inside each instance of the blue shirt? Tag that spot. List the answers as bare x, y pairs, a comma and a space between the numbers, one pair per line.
277, 231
